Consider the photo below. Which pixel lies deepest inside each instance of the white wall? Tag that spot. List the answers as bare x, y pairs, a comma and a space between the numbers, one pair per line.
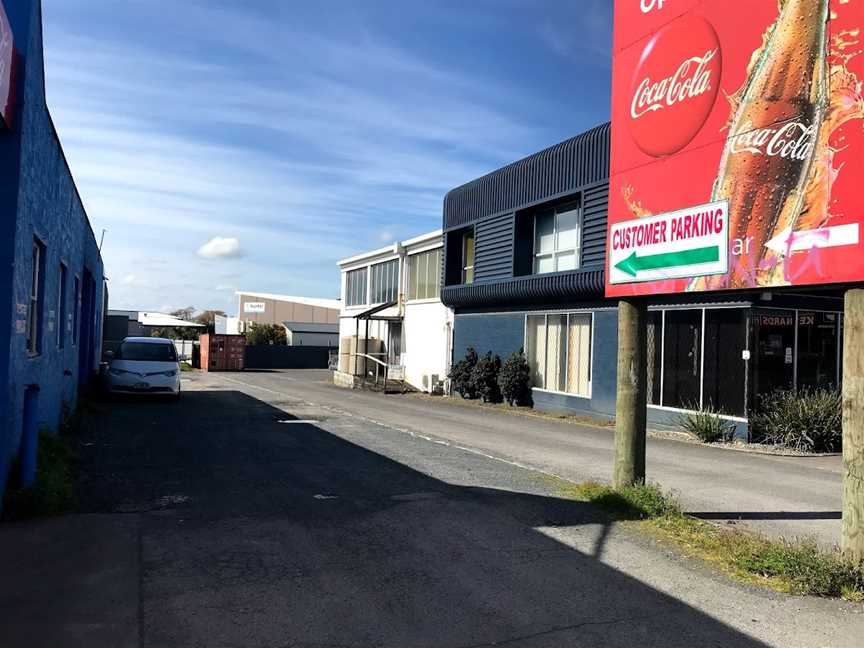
425, 344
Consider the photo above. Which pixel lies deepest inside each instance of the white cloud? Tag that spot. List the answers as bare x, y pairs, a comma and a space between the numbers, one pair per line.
219, 247
128, 280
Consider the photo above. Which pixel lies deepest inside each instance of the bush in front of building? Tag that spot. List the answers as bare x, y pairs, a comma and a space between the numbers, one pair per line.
807, 420
461, 374
707, 425
515, 379
484, 378
260, 334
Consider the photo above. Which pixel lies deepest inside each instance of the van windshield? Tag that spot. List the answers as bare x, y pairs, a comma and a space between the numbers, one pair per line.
146, 351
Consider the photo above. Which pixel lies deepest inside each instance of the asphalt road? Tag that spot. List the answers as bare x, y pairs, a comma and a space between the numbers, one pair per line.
281, 516
792, 497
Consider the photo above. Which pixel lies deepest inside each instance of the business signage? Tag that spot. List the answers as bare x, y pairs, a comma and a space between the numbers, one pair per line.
8, 58
254, 307
743, 120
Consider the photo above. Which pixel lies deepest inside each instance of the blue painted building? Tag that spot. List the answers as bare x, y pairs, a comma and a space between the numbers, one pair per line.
52, 292
525, 252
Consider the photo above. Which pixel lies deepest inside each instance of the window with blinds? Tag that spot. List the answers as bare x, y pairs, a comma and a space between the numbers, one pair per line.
558, 348
355, 287
385, 282
424, 275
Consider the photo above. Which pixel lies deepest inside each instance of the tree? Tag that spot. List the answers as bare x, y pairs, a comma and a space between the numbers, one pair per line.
515, 379
260, 334
208, 318
184, 313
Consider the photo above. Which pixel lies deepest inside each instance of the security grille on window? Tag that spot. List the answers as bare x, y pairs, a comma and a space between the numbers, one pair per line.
385, 282
34, 306
557, 239
558, 347
424, 275
355, 287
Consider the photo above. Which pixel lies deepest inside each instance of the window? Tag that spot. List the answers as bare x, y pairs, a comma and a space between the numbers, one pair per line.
61, 309
696, 359
151, 351
385, 282
557, 236
76, 308
468, 257
558, 347
35, 304
424, 275
355, 287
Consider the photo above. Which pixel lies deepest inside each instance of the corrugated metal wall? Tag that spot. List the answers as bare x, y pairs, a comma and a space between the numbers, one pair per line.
595, 204
494, 248
559, 170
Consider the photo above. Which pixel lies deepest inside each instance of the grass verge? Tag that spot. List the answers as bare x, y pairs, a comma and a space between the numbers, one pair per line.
790, 567
53, 492
184, 367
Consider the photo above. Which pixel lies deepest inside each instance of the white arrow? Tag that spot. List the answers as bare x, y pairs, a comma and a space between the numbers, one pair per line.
788, 241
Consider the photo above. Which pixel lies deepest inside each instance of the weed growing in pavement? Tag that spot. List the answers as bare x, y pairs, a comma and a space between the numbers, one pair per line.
792, 567
54, 490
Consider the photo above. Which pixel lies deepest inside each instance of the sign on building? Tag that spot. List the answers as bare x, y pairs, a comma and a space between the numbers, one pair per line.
754, 111
254, 307
7, 66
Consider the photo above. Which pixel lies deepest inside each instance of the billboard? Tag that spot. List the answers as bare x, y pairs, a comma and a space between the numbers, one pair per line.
254, 307
7, 66
737, 145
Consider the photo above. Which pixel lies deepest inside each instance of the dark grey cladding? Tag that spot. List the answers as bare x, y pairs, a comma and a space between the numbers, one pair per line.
546, 289
556, 171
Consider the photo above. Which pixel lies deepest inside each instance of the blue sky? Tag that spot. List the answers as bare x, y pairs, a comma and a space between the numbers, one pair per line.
250, 144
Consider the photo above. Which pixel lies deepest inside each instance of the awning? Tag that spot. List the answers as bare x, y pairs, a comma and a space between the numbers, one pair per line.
388, 312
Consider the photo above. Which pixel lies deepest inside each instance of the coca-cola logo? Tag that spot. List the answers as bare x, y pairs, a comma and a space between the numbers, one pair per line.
674, 86
792, 140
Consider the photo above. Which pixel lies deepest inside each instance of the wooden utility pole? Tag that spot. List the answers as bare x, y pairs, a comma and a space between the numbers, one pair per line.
852, 542
631, 404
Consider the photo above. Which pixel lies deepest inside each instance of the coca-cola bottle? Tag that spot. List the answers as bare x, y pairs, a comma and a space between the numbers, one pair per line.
771, 143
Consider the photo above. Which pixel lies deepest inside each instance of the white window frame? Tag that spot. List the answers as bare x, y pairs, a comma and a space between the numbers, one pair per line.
371, 299
567, 314
556, 251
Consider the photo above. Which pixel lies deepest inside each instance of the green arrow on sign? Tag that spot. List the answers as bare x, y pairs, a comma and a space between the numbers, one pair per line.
634, 263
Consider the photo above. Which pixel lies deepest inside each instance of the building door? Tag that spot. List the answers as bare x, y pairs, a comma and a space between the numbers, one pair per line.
818, 350
394, 343
773, 351
682, 359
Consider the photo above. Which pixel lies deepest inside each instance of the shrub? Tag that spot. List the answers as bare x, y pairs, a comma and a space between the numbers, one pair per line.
484, 378
807, 420
461, 373
707, 425
515, 378
259, 334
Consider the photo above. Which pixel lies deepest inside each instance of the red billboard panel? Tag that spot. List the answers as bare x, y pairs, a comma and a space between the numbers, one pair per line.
737, 145
7, 64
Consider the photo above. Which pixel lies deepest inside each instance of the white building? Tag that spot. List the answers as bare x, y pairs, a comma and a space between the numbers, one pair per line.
392, 309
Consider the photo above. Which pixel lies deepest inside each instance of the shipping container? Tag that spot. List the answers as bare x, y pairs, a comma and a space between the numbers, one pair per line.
222, 352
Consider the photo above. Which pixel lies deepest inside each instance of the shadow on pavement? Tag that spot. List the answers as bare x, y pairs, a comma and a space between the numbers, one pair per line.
260, 533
